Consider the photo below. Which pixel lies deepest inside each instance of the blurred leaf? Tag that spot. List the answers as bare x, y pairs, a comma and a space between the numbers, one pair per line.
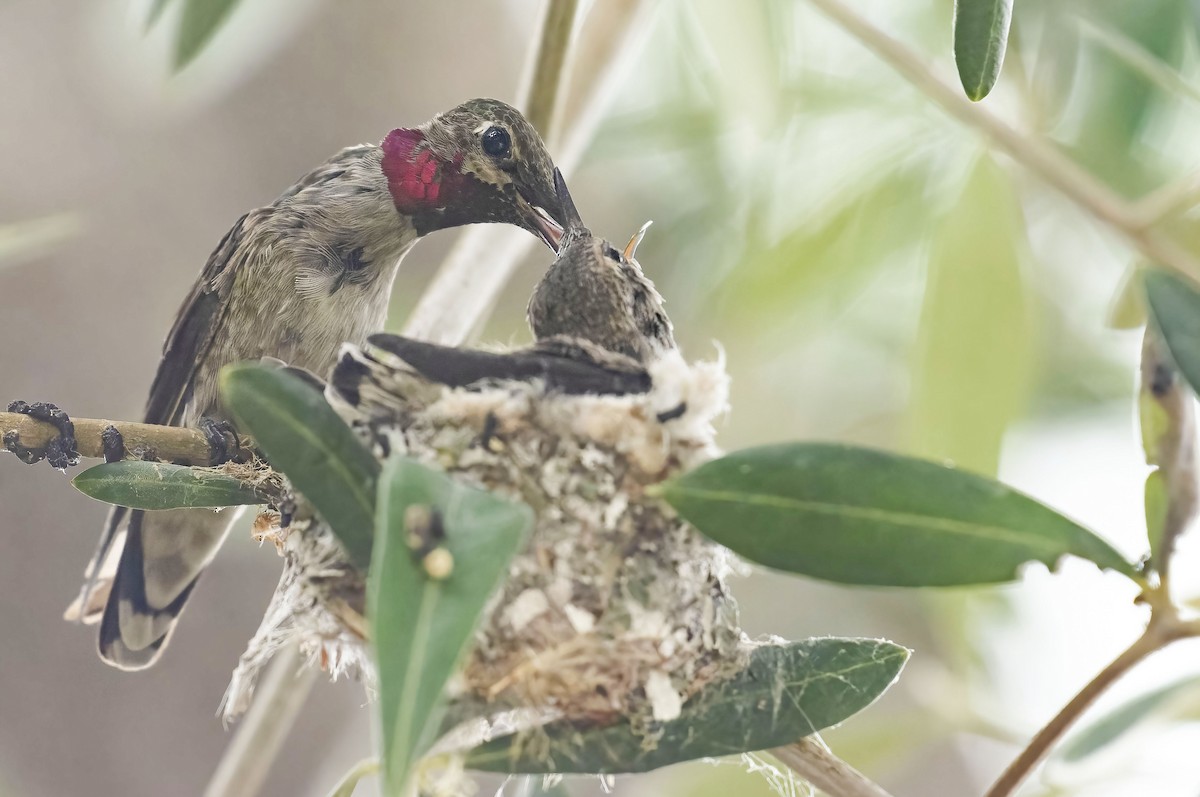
1115, 723
1175, 304
1128, 310
420, 626
349, 781
26, 240
787, 692
305, 439
1116, 101
1148, 64
980, 38
1157, 508
974, 347
159, 485
156, 10
201, 21
860, 516
846, 244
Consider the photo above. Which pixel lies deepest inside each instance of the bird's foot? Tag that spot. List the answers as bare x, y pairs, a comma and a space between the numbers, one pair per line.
223, 443
113, 442
60, 452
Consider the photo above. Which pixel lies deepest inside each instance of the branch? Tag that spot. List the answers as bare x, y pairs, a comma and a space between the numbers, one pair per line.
1034, 154
168, 443
542, 86
484, 257
1163, 629
254, 746
813, 762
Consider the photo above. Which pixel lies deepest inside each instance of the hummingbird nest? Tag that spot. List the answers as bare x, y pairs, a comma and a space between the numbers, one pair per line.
615, 609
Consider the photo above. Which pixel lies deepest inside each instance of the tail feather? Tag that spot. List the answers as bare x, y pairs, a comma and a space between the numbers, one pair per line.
163, 556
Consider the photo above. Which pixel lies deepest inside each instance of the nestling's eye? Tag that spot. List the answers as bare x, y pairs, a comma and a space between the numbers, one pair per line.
496, 142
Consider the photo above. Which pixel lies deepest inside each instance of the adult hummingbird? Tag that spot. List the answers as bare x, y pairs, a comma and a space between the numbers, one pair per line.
294, 280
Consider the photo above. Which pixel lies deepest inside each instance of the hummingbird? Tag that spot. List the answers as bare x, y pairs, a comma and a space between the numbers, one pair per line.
597, 320
293, 281
595, 293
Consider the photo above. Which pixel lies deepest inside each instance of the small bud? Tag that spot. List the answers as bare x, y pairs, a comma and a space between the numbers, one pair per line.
438, 564
418, 523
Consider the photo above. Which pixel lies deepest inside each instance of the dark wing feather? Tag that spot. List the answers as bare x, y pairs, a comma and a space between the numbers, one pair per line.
192, 334
185, 346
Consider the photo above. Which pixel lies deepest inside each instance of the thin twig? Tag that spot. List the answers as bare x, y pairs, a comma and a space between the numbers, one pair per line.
167, 443
1034, 154
259, 737
813, 762
484, 257
1163, 203
1158, 634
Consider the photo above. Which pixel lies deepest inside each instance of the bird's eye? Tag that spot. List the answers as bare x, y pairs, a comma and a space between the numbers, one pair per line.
496, 142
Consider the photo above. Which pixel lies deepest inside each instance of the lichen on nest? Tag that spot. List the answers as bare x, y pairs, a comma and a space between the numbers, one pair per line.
616, 609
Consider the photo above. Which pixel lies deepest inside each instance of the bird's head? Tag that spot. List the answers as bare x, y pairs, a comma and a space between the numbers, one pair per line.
481, 161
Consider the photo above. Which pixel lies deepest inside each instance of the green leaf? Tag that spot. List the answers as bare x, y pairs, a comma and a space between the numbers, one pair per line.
1114, 724
159, 485
974, 351
156, 10
201, 21
1157, 507
305, 439
1175, 304
420, 626
860, 516
980, 38
1128, 308
786, 692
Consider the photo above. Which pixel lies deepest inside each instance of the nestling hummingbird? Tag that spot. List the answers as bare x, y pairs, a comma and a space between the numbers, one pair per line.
598, 294
293, 281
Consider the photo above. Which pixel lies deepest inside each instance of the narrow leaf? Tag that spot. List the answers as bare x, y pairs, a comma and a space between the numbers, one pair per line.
786, 692
974, 351
980, 38
349, 781
303, 437
420, 626
1114, 724
201, 21
1175, 304
860, 516
156, 9
160, 485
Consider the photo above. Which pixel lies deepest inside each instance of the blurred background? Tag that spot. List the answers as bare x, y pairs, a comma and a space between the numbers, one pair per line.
871, 271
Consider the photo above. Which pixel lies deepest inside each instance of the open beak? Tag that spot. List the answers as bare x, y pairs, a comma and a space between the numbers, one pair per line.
541, 222
631, 247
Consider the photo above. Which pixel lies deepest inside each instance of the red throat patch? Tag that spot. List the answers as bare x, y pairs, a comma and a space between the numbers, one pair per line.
417, 179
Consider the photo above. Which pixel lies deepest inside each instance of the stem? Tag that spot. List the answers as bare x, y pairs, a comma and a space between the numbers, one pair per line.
542, 88
484, 257
1163, 629
1034, 154
168, 443
813, 762
259, 737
